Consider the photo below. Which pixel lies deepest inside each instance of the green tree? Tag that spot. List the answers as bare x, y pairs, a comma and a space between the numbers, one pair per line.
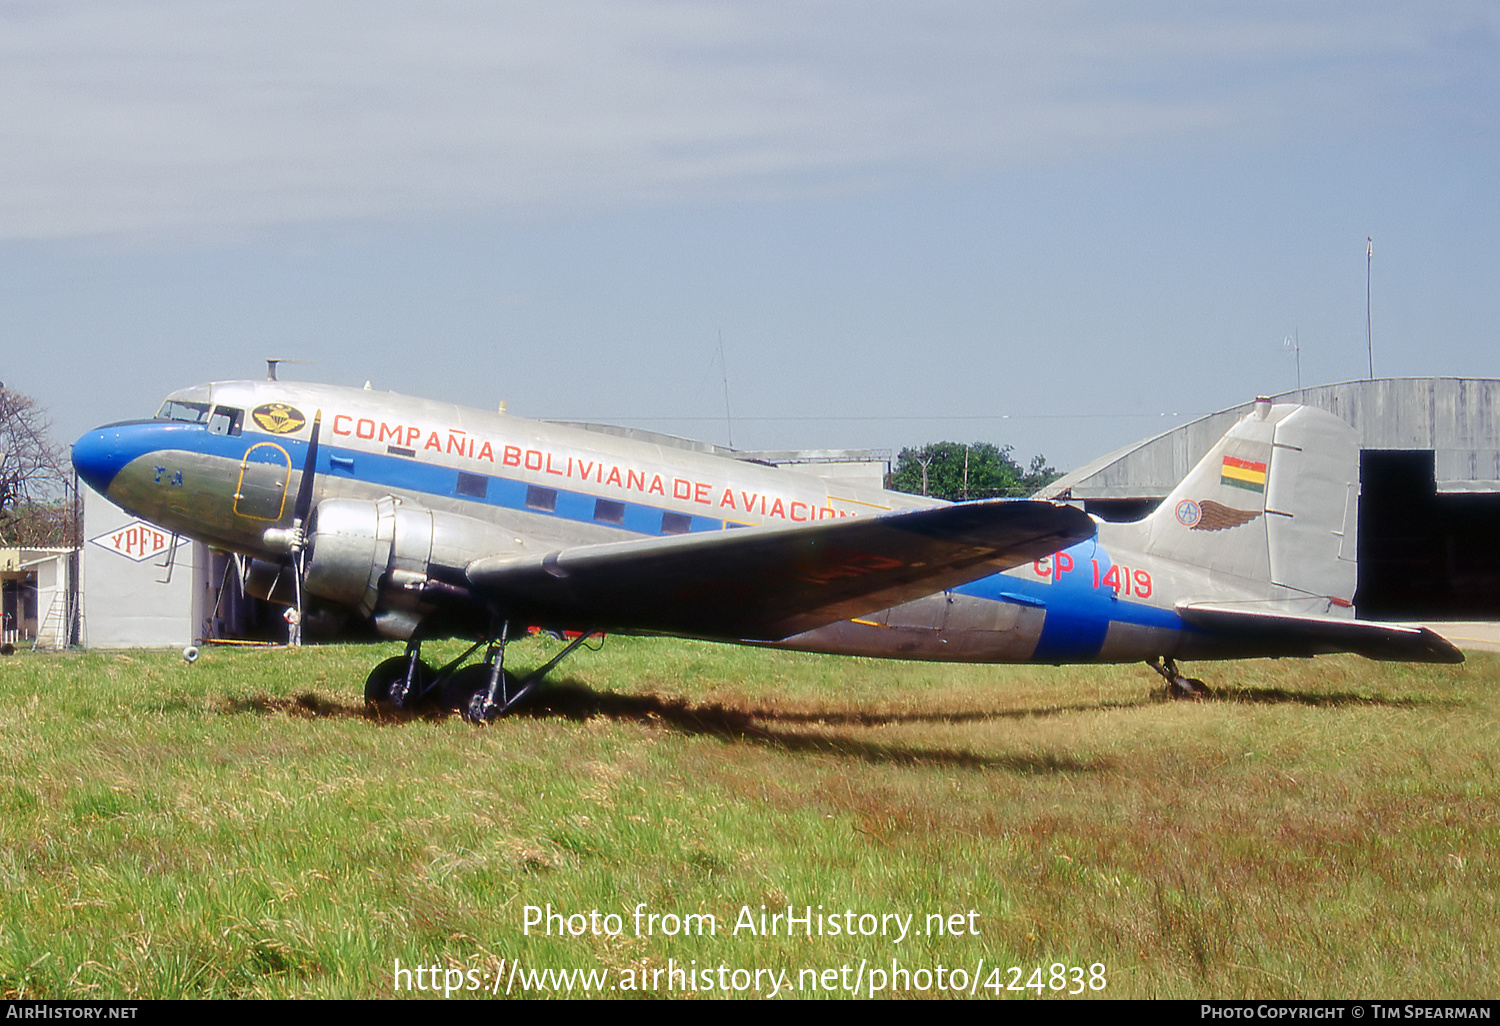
956, 471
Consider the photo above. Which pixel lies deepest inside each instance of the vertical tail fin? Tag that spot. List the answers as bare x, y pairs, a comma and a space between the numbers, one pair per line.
1273, 508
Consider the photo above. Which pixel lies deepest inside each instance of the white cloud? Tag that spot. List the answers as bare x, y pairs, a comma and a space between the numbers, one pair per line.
169, 116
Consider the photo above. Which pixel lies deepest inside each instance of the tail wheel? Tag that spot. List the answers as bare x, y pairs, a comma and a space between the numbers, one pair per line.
1188, 689
1178, 686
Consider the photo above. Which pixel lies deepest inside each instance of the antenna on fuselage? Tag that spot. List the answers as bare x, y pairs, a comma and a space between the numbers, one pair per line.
271, 366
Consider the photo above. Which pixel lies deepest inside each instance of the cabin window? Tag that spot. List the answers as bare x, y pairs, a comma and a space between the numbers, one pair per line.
676, 523
476, 486
225, 420
544, 499
183, 412
607, 511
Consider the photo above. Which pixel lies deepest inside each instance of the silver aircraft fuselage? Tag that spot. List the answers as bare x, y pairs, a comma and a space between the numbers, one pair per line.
222, 463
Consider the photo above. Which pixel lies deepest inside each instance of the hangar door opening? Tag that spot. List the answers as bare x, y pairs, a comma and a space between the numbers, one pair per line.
1424, 555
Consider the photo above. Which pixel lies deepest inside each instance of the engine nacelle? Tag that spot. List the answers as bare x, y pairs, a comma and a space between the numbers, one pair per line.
361, 552
270, 582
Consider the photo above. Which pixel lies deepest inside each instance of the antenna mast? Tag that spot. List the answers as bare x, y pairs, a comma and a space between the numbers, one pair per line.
1369, 341
724, 369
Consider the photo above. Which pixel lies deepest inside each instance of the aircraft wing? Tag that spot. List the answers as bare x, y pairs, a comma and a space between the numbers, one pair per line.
768, 583
1280, 634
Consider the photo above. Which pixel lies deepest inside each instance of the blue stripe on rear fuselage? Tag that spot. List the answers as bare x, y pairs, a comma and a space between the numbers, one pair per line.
398, 473
1078, 612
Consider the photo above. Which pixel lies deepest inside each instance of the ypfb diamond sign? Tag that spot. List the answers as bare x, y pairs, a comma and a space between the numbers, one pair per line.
138, 541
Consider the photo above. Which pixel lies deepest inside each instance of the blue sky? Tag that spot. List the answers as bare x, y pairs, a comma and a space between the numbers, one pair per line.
1061, 227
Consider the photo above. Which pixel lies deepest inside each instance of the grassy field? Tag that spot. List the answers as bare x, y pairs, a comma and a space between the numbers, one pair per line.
242, 827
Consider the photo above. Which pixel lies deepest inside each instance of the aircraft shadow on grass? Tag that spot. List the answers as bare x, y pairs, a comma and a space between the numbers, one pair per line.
575, 701
1320, 699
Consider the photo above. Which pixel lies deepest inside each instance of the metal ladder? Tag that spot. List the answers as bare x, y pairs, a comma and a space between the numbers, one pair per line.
56, 613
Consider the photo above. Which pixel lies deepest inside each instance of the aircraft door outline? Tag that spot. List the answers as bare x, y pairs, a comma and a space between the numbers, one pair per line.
265, 472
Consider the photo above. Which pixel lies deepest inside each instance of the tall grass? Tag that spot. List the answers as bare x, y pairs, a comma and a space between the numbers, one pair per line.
244, 827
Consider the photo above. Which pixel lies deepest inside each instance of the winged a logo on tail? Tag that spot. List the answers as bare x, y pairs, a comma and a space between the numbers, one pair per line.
1215, 516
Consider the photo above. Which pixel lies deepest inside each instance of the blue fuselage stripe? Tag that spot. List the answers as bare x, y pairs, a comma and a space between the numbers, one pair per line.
1078, 614
399, 473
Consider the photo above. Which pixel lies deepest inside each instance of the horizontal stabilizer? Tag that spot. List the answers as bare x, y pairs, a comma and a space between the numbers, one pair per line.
768, 583
1280, 634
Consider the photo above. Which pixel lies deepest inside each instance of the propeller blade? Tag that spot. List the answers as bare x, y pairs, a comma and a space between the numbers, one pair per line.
300, 513
309, 472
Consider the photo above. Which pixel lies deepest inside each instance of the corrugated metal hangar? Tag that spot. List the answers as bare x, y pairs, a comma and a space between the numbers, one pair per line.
1429, 514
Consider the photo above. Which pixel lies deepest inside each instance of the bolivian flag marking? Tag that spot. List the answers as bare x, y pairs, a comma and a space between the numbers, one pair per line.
1246, 474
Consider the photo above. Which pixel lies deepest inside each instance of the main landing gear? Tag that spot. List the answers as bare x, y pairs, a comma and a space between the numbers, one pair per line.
479, 692
1178, 686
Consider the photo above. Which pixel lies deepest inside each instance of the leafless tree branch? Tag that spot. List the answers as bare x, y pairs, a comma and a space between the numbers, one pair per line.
34, 477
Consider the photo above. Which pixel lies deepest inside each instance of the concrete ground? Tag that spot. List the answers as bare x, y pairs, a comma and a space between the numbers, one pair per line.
1469, 635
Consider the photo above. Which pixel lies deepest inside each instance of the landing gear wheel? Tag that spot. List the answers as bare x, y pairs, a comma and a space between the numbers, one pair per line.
472, 704
386, 686
478, 710
464, 685
466, 691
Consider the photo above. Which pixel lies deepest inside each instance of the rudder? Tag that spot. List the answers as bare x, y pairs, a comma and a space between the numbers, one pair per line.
1274, 506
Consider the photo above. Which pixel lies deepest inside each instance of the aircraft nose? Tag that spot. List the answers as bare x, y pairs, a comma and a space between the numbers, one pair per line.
97, 458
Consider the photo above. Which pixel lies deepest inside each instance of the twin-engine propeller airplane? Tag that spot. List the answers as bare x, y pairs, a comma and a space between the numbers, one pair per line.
433, 520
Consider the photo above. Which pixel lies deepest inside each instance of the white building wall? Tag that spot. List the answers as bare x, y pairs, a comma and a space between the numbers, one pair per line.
52, 601
130, 603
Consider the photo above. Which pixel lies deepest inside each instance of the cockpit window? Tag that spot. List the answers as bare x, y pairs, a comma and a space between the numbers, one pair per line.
225, 420
188, 413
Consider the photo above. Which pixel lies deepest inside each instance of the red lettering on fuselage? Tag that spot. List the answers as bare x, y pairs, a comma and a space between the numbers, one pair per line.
1118, 578
461, 443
